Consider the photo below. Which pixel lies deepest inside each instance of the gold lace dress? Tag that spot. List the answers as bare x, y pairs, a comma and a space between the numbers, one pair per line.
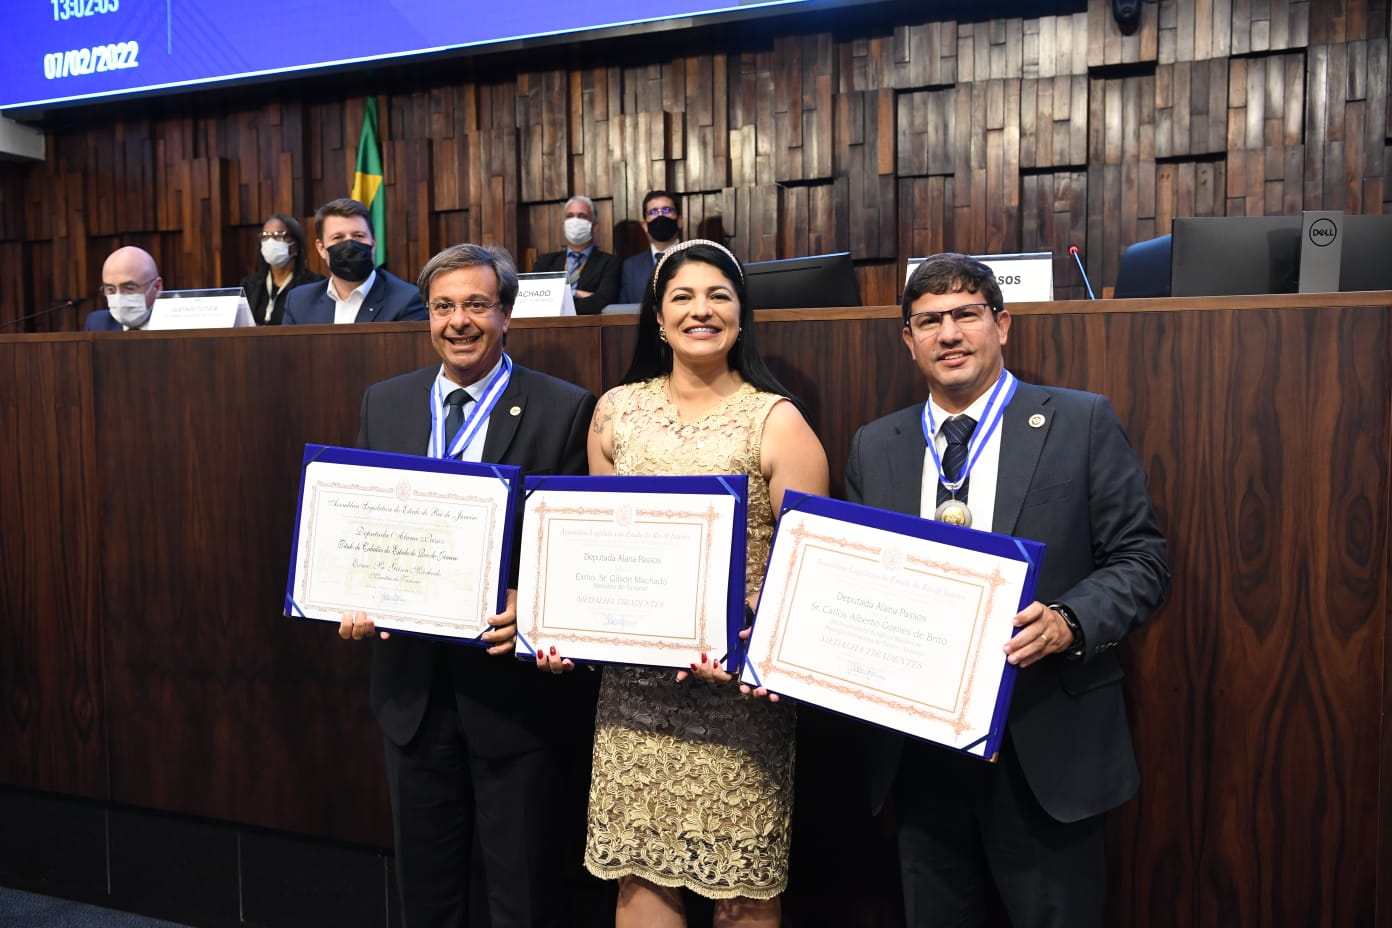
692, 783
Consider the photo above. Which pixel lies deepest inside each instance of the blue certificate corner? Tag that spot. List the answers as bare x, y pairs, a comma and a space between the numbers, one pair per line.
1007, 547
733, 485
333, 454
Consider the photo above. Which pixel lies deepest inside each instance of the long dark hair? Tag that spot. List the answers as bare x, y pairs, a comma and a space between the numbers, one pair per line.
653, 357
297, 238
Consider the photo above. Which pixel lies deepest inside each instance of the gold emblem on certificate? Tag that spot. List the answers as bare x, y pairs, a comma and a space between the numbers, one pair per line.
954, 512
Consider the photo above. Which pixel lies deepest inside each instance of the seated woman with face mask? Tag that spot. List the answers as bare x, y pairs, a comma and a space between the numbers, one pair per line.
280, 267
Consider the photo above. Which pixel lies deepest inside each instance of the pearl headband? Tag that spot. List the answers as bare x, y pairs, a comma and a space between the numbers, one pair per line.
682, 246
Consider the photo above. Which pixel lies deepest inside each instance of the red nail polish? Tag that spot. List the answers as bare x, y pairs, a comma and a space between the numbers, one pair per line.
703, 657
553, 651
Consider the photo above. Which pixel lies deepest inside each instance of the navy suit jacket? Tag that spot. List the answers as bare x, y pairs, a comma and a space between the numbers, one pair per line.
637, 272
506, 705
599, 276
1074, 483
101, 320
391, 299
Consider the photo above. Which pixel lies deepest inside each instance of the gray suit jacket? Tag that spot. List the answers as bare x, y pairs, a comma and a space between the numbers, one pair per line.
1075, 484
391, 299
507, 706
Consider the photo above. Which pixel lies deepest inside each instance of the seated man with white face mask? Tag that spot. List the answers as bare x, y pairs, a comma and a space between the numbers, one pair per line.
593, 275
130, 284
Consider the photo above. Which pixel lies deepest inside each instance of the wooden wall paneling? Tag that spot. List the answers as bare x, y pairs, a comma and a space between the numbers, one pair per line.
449, 176
1376, 190
493, 186
52, 711
756, 222
707, 124
544, 133
922, 221
14, 290
926, 125
703, 216
919, 55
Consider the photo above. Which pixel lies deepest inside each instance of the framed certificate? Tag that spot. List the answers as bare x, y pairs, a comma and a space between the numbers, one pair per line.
893, 619
633, 570
422, 545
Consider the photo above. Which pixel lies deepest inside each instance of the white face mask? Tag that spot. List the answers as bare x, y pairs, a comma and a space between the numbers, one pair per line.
277, 254
129, 309
577, 230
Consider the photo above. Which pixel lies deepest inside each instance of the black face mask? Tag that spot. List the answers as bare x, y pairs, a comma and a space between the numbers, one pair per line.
662, 228
350, 261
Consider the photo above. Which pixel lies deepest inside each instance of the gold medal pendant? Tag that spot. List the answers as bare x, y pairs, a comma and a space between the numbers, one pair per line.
954, 512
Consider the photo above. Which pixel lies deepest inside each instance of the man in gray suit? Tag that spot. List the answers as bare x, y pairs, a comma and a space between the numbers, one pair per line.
1024, 834
478, 744
357, 291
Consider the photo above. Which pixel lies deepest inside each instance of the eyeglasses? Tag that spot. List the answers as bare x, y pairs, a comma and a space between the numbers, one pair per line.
129, 288
656, 211
279, 235
443, 308
967, 316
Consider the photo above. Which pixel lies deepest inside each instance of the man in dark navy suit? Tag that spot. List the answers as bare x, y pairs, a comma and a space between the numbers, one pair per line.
357, 291
593, 275
1051, 465
480, 747
130, 283
662, 220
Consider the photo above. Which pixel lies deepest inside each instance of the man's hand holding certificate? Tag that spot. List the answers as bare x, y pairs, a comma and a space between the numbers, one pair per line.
892, 619
412, 544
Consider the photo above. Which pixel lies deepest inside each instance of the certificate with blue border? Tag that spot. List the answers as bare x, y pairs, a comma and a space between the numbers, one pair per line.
422, 545
633, 570
895, 620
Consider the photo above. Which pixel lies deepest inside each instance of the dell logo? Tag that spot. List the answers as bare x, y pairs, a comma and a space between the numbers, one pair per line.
1323, 232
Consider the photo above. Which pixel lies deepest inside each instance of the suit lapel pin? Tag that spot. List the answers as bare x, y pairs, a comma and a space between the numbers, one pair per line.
515, 411
1036, 420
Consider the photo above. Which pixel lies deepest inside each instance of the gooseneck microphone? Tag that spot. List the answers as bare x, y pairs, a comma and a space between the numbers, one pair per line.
74, 303
1073, 250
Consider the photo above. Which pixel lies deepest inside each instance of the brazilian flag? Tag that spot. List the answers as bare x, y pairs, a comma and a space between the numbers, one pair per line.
367, 180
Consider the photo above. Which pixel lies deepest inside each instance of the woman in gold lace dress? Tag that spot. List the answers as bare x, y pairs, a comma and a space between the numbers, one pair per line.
693, 781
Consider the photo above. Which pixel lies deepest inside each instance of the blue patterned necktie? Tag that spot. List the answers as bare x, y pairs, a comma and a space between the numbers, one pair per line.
958, 431
573, 272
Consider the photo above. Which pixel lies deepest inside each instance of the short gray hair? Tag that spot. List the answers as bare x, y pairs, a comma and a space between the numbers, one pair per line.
581, 198
467, 254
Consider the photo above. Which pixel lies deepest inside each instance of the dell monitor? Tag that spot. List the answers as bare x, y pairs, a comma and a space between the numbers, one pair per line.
1234, 255
1366, 260
802, 283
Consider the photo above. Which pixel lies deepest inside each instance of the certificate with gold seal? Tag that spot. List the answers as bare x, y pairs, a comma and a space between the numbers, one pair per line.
633, 570
892, 619
422, 545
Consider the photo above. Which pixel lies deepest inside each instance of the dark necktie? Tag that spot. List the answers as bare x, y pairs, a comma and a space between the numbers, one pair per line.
958, 431
454, 414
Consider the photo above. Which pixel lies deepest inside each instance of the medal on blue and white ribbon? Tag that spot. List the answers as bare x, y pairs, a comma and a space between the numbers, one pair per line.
473, 422
955, 511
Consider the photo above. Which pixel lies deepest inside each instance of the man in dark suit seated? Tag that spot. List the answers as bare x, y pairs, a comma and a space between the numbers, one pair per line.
130, 283
479, 744
1026, 833
357, 291
593, 275
662, 220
